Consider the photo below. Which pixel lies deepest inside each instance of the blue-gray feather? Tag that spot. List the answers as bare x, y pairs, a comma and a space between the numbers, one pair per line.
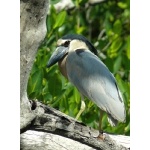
93, 79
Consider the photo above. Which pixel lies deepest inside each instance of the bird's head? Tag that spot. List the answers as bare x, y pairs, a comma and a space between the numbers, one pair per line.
68, 43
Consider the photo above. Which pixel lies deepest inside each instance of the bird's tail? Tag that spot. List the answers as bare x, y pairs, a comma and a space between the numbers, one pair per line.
111, 120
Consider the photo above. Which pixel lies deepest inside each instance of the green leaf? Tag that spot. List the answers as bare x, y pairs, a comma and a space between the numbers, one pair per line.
47, 97
109, 63
48, 22
122, 5
115, 45
60, 19
117, 64
77, 97
34, 68
127, 128
128, 47
35, 82
54, 84
117, 27
52, 2
73, 108
124, 87
82, 2
126, 62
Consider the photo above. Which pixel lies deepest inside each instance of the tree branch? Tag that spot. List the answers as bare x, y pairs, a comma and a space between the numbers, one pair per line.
49, 120
32, 32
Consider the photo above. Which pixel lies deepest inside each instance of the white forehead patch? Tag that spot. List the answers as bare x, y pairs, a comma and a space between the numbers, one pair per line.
77, 44
74, 44
61, 42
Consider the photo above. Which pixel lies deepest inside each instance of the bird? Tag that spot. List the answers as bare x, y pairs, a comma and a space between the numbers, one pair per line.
78, 61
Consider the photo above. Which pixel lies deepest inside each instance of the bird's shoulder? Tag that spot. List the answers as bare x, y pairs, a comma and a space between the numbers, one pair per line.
85, 59
85, 64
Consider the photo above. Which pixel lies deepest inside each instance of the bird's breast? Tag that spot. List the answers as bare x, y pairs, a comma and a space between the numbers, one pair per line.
62, 66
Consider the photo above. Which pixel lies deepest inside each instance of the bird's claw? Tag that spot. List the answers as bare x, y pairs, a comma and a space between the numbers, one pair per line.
101, 136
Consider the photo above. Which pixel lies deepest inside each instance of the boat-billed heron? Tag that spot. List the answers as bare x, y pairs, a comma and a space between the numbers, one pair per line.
78, 62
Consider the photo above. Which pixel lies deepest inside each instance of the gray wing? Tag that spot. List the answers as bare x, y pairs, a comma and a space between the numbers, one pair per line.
93, 79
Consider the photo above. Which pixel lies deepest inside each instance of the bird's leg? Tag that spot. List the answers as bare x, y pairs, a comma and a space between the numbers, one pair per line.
101, 135
82, 108
100, 120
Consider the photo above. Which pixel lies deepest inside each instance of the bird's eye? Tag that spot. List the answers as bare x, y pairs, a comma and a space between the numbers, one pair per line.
66, 44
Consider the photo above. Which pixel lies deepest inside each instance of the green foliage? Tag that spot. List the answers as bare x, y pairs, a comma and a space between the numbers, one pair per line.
107, 26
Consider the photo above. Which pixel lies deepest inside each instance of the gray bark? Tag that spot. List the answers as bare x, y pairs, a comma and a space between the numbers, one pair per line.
50, 122
43, 127
32, 32
49, 141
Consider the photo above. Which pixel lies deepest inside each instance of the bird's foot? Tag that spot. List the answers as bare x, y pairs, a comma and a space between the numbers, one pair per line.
101, 136
82, 108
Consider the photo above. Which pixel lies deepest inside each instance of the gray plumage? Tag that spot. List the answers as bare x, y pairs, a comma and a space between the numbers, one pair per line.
78, 62
93, 79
